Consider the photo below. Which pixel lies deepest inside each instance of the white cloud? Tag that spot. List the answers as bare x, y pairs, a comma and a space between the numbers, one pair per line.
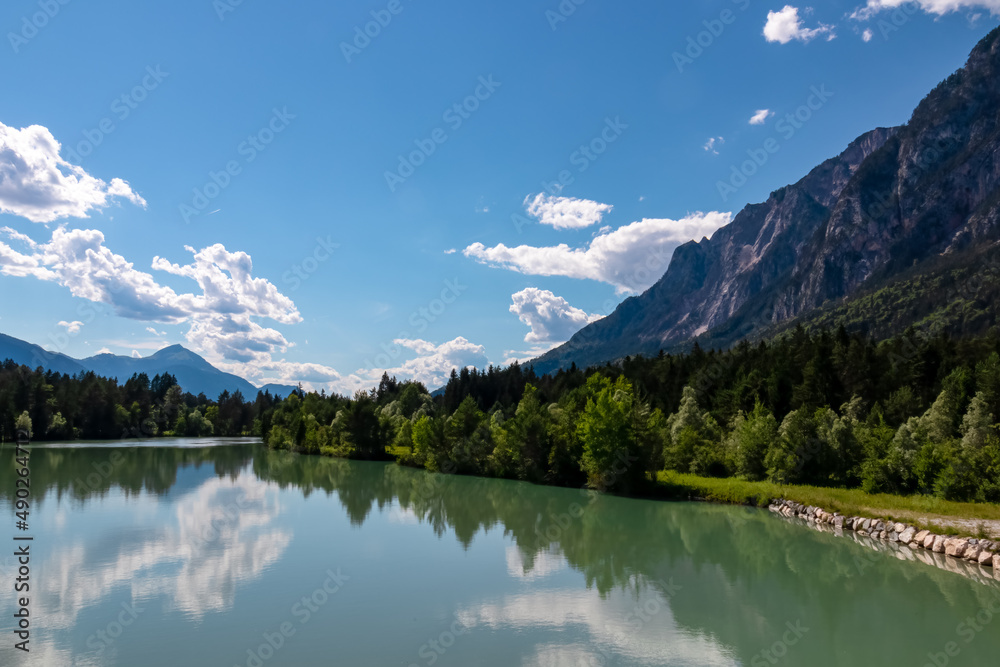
434, 363
136, 355
867, 35
937, 7
221, 318
786, 25
711, 144
71, 327
551, 318
630, 258
450, 251
431, 365
312, 376
228, 286
565, 212
761, 116
18, 236
37, 184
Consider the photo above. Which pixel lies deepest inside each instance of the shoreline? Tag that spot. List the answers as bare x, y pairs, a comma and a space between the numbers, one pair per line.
974, 558
971, 557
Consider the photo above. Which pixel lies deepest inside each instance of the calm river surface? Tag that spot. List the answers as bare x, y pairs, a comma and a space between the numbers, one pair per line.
177, 553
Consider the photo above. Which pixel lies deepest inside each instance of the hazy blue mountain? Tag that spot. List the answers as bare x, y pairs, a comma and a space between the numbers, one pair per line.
193, 373
33, 356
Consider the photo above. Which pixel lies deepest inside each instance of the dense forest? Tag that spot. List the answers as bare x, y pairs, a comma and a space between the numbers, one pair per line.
52, 406
912, 414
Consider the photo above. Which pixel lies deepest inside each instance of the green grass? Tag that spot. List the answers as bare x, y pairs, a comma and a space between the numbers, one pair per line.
922, 511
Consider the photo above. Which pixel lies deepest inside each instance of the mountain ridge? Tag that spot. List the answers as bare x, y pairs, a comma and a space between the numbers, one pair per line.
895, 198
193, 373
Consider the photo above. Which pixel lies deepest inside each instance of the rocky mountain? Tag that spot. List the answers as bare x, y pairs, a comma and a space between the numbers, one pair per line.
898, 203
193, 373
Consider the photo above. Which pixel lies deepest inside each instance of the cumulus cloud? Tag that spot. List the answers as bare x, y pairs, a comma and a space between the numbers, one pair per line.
434, 363
630, 258
710, 145
565, 212
37, 184
221, 317
551, 318
867, 35
785, 25
71, 327
937, 7
761, 116
312, 376
18, 236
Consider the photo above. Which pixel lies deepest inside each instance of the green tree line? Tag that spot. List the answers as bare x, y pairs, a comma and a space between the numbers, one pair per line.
53, 406
911, 414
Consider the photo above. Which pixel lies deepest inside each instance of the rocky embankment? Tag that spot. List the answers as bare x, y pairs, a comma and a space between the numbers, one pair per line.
971, 557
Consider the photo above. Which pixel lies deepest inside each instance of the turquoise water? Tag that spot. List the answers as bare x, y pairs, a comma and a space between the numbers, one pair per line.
231, 555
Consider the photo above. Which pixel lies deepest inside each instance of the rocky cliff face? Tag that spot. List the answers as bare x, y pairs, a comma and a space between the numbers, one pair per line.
931, 189
894, 198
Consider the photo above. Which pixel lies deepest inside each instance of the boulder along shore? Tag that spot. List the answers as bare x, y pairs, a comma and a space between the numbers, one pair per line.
973, 558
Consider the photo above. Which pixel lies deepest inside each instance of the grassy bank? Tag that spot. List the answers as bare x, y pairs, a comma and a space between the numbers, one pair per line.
941, 516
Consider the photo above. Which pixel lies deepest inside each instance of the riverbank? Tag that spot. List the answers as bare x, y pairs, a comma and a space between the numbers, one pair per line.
977, 520
976, 523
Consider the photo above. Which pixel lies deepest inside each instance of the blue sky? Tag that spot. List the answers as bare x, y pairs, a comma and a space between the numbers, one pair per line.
296, 200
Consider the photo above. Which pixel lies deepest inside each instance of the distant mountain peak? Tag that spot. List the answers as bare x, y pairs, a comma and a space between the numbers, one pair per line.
193, 373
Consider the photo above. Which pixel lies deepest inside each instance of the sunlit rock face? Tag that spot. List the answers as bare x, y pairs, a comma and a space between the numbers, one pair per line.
922, 195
